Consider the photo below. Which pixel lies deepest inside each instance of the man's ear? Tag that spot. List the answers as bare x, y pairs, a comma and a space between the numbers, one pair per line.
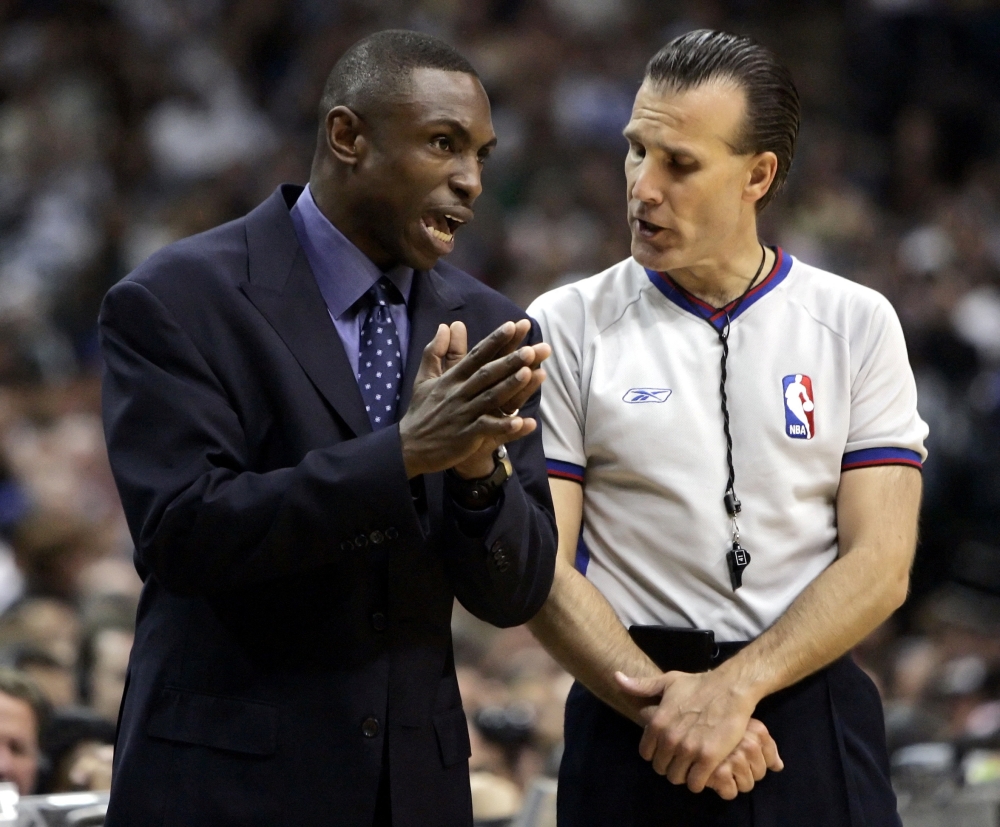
763, 168
345, 136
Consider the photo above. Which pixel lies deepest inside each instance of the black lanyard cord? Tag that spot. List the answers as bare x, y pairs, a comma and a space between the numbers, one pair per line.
737, 558
731, 501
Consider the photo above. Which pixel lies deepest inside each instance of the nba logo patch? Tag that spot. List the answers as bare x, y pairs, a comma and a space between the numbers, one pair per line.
799, 406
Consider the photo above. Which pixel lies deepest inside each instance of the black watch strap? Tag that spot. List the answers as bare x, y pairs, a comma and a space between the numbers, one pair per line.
482, 492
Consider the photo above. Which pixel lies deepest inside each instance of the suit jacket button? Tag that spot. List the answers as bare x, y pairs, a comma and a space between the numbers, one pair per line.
370, 728
361, 541
347, 545
501, 559
391, 533
379, 622
376, 537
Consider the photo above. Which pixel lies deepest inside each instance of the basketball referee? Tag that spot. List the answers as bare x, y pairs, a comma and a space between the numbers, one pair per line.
734, 453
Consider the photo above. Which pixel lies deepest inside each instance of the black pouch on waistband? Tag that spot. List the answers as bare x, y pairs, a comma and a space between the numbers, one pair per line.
677, 649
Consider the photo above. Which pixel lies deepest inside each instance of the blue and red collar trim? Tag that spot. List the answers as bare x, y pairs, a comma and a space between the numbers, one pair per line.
717, 315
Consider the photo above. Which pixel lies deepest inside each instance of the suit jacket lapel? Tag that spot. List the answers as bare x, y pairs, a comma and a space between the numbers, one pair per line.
432, 302
282, 287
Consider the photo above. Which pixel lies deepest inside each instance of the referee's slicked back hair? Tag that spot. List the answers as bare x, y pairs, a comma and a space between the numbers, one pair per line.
773, 110
377, 69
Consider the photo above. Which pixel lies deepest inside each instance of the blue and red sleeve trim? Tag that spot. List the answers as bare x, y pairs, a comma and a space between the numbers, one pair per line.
565, 470
880, 456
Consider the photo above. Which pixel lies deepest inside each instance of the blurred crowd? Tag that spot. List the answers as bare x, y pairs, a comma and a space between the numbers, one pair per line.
127, 124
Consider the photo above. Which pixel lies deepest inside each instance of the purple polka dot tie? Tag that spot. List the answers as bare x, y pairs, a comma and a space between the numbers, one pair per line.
380, 366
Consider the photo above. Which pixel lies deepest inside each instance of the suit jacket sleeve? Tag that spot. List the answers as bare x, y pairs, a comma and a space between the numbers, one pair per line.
519, 545
203, 521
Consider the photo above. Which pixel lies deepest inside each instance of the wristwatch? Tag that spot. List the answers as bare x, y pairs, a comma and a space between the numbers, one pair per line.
481, 492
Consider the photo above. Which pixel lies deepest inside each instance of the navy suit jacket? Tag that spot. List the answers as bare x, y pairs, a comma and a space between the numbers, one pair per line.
297, 588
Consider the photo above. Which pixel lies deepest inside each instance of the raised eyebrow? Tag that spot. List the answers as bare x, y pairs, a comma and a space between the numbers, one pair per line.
455, 126
629, 134
665, 148
462, 133
452, 125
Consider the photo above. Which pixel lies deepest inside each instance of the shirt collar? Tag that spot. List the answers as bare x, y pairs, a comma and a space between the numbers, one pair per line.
344, 274
719, 316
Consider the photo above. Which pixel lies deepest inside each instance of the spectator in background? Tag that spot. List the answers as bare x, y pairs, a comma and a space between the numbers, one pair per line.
24, 711
79, 747
51, 549
104, 654
41, 636
55, 679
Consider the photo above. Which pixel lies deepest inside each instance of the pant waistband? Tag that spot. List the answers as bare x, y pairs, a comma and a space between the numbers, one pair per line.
684, 650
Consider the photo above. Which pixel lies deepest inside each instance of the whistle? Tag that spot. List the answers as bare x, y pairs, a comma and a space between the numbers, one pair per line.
738, 559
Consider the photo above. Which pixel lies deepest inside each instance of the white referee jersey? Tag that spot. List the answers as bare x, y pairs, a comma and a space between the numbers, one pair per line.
818, 383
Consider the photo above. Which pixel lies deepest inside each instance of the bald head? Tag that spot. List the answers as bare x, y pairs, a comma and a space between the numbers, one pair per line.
404, 130
377, 70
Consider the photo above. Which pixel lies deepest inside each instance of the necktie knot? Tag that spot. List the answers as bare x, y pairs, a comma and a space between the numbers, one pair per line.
383, 293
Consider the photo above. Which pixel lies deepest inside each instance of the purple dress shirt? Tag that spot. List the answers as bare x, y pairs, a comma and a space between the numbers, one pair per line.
344, 275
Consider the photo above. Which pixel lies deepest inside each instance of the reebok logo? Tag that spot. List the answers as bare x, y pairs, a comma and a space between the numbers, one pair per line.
635, 396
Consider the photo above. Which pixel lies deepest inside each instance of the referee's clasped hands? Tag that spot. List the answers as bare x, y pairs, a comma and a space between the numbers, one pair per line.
463, 400
699, 732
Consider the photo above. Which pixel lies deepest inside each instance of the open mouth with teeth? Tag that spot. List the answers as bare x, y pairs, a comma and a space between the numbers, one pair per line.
441, 227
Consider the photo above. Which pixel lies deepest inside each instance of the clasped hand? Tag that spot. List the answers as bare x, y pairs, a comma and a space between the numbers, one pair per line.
698, 731
462, 399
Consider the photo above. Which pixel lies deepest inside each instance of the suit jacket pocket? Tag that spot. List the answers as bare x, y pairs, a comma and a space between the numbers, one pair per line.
453, 736
231, 724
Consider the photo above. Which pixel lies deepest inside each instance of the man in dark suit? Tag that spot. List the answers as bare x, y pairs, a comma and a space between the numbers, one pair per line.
308, 493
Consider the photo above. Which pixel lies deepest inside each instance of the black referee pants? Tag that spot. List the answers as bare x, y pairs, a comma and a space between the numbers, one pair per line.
830, 733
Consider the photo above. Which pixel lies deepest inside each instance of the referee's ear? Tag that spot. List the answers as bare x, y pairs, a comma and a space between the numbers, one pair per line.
760, 176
